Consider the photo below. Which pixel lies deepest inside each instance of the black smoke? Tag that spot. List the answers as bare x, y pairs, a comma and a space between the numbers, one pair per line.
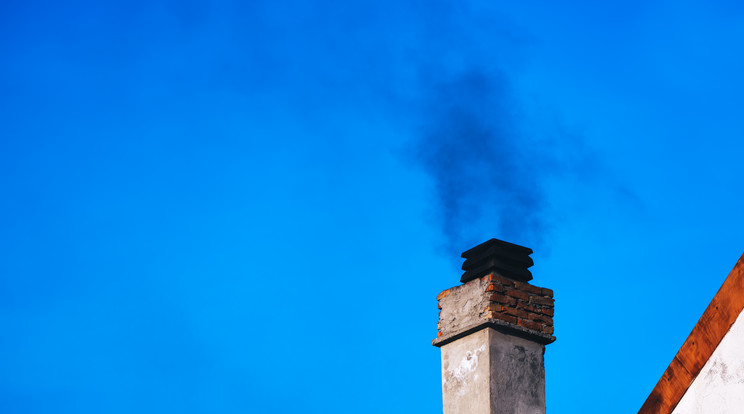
486, 172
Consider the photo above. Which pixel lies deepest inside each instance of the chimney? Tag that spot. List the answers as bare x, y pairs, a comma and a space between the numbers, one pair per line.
492, 334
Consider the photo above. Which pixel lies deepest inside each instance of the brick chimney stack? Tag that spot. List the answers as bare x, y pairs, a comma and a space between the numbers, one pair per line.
492, 334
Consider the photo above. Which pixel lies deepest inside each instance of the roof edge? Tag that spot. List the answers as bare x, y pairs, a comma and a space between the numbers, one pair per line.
708, 332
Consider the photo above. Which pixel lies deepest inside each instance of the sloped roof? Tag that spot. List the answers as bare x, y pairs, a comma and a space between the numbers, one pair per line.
722, 312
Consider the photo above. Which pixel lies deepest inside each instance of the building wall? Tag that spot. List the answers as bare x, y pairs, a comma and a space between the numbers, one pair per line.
719, 388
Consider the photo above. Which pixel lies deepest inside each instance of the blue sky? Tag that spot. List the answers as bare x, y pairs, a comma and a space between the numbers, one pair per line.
251, 206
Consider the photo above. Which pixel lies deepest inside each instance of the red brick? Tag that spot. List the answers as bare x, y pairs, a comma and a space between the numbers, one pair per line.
439, 334
542, 319
532, 289
547, 292
519, 313
506, 300
504, 281
495, 287
443, 294
530, 325
535, 317
526, 306
505, 317
491, 315
439, 306
540, 300
517, 294
495, 308
548, 330
547, 311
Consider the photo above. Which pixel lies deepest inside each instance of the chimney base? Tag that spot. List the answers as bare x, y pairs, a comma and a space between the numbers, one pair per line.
489, 372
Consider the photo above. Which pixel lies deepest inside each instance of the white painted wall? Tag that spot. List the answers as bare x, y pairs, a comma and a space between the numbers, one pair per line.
719, 388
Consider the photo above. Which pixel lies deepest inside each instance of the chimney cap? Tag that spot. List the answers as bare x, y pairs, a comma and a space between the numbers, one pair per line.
497, 256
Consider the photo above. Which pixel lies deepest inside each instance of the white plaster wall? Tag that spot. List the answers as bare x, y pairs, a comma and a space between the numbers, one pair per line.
719, 388
466, 375
489, 372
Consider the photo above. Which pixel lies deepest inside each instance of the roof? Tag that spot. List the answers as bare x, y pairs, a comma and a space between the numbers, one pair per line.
716, 321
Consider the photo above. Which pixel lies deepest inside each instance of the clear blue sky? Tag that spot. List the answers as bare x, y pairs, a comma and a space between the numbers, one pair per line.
249, 207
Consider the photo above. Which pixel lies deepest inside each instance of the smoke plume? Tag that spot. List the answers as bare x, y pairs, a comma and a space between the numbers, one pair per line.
486, 173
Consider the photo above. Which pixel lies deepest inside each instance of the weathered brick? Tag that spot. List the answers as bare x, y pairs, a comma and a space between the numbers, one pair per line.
494, 307
504, 281
547, 292
519, 313
548, 330
535, 317
547, 320
495, 287
540, 300
526, 306
506, 300
548, 311
439, 306
532, 289
504, 317
517, 294
530, 325
443, 294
